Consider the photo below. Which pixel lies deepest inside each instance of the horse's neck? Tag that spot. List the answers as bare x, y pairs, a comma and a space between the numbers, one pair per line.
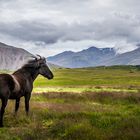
27, 73
34, 75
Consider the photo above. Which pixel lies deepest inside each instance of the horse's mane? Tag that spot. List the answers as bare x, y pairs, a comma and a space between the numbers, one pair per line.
30, 64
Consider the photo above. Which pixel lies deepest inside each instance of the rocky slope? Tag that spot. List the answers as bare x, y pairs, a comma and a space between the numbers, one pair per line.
11, 57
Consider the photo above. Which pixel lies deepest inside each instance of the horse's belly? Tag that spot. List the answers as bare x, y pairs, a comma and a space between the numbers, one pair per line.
15, 95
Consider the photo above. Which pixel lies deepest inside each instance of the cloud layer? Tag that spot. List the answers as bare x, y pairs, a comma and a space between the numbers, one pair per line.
50, 26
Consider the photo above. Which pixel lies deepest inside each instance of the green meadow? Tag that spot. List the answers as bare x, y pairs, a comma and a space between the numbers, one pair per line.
100, 103
115, 78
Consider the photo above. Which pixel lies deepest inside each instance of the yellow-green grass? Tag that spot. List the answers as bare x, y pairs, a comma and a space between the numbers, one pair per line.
91, 79
81, 89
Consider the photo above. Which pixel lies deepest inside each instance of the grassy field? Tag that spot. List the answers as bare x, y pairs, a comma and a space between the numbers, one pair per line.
91, 79
80, 104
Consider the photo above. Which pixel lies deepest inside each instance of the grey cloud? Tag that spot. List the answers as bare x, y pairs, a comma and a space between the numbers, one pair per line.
51, 21
113, 28
48, 33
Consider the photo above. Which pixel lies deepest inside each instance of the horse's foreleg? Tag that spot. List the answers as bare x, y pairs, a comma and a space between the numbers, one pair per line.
27, 99
17, 105
4, 103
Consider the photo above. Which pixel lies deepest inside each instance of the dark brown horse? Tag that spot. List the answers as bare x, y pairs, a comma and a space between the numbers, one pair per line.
20, 83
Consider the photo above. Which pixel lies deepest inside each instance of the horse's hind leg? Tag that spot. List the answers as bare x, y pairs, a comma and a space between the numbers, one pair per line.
4, 103
17, 105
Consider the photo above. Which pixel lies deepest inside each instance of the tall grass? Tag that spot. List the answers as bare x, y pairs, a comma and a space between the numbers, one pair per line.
75, 116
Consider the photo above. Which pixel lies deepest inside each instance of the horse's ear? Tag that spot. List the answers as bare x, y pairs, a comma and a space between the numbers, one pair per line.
39, 56
34, 57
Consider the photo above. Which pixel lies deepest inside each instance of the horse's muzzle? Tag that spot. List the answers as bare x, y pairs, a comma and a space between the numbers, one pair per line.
50, 77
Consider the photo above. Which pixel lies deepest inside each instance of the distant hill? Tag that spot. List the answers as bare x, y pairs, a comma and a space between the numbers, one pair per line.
85, 58
93, 56
128, 58
12, 58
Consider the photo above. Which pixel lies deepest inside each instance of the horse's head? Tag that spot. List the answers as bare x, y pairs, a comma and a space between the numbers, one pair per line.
43, 68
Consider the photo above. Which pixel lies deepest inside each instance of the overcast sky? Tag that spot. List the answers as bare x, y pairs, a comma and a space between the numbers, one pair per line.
48, 27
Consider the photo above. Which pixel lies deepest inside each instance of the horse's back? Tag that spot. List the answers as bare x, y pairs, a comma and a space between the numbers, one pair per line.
6, 84
6, 78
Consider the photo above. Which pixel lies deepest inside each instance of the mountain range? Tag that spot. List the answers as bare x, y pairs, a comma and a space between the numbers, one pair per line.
12, 58
93, 56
